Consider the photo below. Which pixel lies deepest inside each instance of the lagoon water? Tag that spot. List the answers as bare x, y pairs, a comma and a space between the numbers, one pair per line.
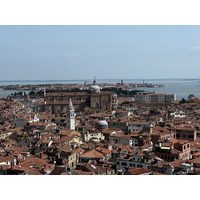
181, 87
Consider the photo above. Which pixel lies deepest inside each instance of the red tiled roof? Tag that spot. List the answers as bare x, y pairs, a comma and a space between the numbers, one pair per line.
138, 171
7, 158
92, 154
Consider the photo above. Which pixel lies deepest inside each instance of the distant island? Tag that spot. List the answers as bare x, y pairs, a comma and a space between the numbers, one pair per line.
84, 86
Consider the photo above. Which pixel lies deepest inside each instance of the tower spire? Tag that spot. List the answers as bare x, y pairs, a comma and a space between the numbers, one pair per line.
94, 82
70, 104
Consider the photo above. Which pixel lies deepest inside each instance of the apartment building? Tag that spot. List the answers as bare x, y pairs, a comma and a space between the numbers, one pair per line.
155, 97
186, 133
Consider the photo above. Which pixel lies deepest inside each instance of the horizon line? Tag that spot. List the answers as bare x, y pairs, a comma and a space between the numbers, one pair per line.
34, 80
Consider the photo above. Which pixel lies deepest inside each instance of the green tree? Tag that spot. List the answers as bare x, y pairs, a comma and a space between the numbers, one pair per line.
125, 102
183, 101
190, 96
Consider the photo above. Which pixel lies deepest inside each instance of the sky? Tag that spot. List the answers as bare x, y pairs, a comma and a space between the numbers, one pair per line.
107, 52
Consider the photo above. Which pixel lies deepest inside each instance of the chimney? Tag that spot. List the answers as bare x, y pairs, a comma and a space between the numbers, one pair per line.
11, 165
106, 170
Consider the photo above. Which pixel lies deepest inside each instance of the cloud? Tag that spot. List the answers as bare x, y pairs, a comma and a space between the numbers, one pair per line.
196, 48
71, 54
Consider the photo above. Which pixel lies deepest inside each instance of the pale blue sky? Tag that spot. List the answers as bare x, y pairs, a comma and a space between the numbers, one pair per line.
80, 52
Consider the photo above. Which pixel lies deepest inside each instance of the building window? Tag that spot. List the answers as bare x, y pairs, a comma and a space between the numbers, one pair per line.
96, 105
124, 164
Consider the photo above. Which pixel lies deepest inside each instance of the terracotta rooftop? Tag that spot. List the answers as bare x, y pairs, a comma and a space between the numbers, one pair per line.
7, 158
138, 171
92, 154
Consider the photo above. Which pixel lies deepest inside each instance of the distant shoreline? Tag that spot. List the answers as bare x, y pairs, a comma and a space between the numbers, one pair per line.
115, 79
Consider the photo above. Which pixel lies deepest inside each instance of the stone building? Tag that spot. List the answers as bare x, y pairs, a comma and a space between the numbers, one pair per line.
186, 133
173, 150
154, 97
95, 98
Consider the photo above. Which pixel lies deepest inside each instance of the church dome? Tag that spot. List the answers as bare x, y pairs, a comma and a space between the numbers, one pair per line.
102, 124
95, 88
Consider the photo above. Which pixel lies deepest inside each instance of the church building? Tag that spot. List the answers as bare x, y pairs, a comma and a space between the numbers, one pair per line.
95, 98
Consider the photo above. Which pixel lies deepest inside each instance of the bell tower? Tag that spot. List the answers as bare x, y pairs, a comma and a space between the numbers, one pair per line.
70, 116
